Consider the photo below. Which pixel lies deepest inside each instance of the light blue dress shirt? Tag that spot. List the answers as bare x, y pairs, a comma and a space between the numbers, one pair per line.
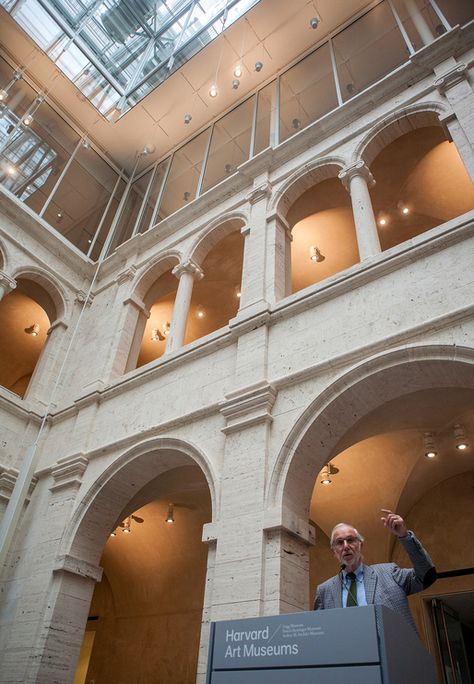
346, 583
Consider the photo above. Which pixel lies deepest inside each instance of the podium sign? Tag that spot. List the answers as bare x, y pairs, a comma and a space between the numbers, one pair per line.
323, 647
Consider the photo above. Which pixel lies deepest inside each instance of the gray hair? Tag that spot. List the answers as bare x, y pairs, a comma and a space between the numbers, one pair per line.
342, 524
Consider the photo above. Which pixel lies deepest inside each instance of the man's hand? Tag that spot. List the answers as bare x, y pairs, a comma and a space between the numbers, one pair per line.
394, 523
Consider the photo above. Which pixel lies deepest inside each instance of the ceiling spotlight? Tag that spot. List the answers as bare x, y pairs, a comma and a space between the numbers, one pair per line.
188, 118
59, 216
28, 119
213, 90
258, 66
314, 23
12, 171
33, 329
148, 149
382, 219
238, 71
3, 95
126, 525
186, 196
86, 144
350, 88
235, 83
4, 91
113, 534
228, 168
296, 123
170, 515
238, 294
200, 313
166, 329
429, 445
315, 254
460, 437
405, 210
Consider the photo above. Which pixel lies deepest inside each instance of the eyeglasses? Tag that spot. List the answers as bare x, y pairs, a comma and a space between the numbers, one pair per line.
339, 543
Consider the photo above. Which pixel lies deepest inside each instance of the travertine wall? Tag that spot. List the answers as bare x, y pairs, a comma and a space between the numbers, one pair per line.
259, 405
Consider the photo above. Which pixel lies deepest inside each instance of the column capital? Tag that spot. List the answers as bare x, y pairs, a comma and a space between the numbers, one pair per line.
67, 472
6, 282
260, 192
126, 275
359, 168
451, 78
83, 298
188, 266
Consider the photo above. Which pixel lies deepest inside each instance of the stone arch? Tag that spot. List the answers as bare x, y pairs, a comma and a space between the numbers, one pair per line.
91, 523
301, 180
328, 418
55, 303
395, 125
153, 271
83, 540
214, 233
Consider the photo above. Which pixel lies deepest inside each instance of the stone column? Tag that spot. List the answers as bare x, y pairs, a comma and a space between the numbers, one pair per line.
357, 179
278, 267
187, 272
419, 22
453, 83
253, 299
7, 284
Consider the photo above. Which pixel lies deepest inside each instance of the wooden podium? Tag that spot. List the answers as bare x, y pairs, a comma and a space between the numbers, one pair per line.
361, 645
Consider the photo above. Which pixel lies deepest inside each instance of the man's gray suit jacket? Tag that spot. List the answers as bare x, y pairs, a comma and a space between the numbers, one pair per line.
386, 584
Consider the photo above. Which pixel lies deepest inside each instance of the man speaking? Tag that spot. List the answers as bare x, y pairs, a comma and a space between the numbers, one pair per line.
383, 584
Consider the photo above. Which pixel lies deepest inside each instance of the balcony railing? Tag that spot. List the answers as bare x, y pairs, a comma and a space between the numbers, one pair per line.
58, 173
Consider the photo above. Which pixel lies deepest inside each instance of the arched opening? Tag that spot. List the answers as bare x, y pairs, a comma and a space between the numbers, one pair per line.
26, 314
216, 297
370, 426
144, 622
322, 227
159, 300
421, 182
151, 602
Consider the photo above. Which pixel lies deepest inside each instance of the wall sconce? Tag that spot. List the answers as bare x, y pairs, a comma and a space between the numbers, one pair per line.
33, 329
170, 515
315, 254
429, 445
460, 437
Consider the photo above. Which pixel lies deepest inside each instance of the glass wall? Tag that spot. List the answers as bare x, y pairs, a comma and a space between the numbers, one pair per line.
307, 92
44, 163
230, 144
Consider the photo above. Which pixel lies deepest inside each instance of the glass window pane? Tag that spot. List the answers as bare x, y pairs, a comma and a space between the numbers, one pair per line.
368, 49
266, 114
130, 211
184, 174
457, 11
420, 21
81, 198
154, 196
307, 92
230, 144
107, 222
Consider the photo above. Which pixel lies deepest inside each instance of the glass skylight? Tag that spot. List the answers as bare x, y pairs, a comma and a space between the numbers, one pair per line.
117, 51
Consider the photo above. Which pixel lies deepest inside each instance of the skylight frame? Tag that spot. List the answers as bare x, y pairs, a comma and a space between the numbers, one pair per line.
113, 73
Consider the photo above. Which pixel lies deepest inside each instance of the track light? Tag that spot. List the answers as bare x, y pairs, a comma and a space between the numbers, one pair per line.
460, 436
429, 445
327, 472
4, 91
